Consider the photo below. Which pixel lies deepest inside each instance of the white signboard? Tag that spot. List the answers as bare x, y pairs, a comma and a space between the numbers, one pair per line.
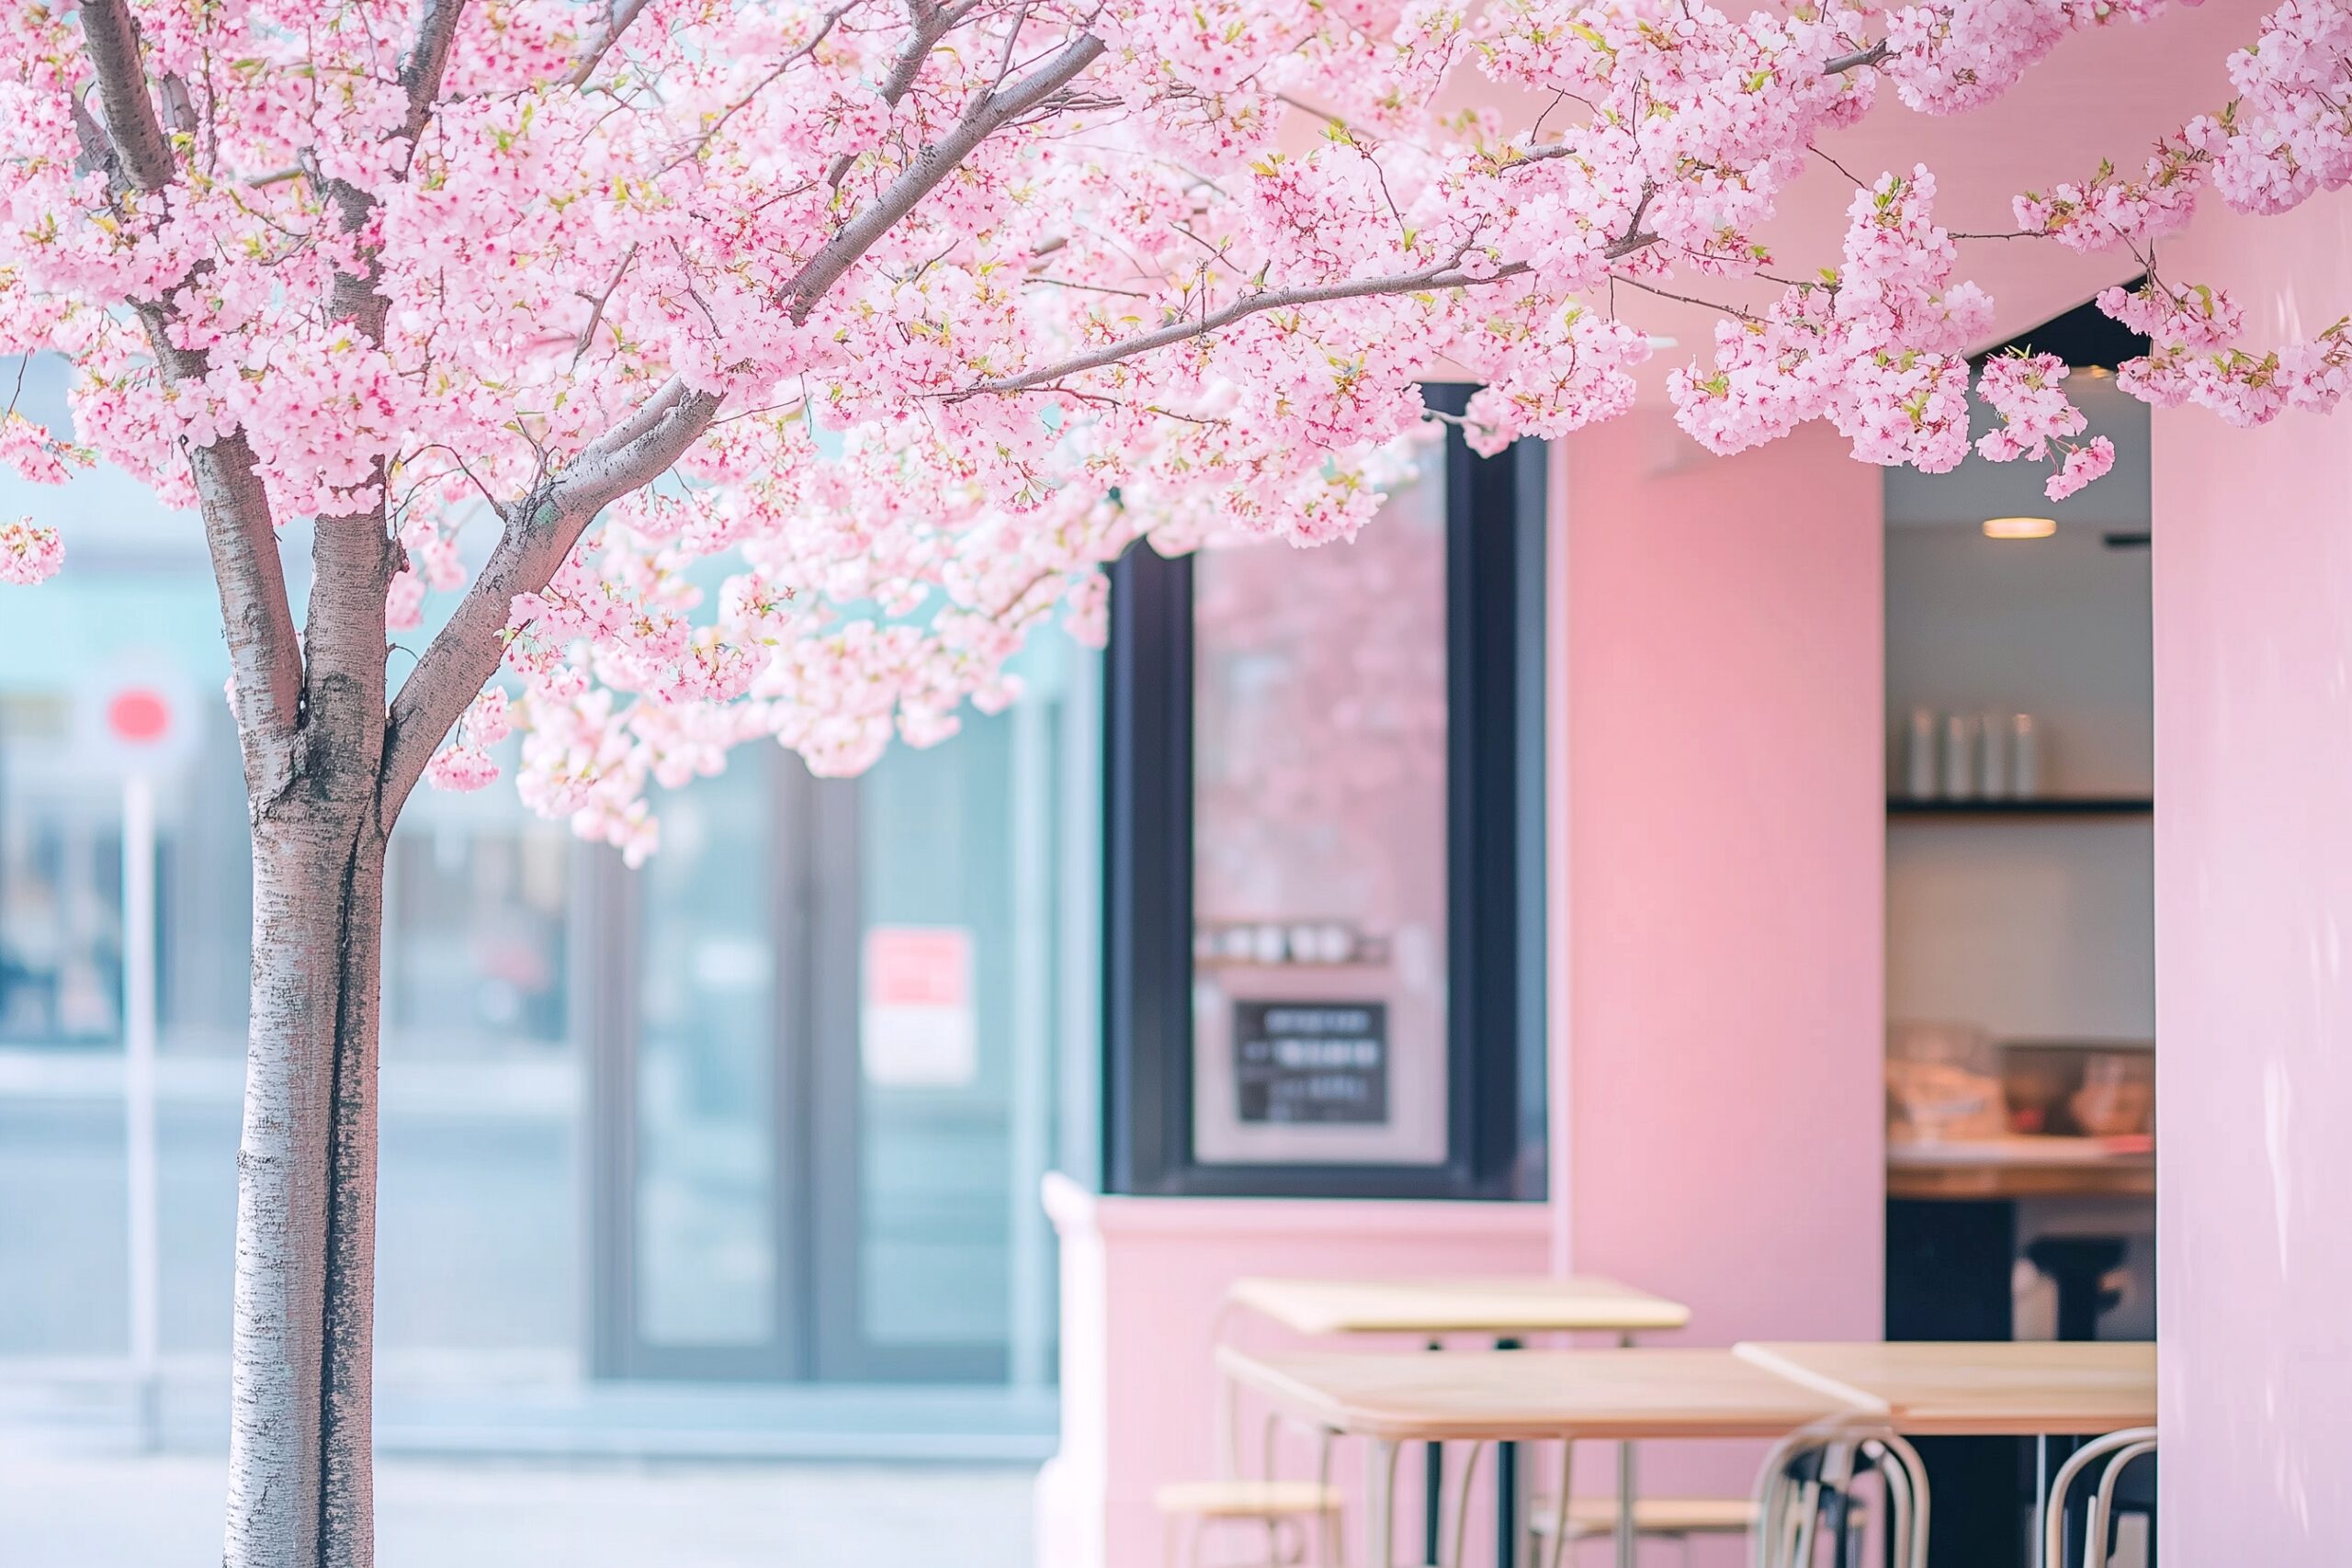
917, 1029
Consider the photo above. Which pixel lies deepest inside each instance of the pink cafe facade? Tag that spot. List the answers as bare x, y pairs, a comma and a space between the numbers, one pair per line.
1624, 938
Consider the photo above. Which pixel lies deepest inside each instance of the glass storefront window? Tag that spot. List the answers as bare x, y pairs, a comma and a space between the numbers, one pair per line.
968, 932
703, 1121
480, 1261
856, 1008
1324, 871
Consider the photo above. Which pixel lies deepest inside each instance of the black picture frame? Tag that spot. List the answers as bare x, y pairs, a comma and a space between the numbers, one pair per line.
1494, 659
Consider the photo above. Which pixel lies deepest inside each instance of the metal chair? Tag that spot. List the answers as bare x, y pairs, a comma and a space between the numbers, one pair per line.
2120, 1449
1565, 1521
1806, 1485
1285, 1510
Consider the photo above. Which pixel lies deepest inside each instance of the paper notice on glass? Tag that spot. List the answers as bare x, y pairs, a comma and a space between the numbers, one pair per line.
917, 1029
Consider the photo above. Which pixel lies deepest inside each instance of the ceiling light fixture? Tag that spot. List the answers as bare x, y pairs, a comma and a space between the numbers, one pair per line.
2020, 528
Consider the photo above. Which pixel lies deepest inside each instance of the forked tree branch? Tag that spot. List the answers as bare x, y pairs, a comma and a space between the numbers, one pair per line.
542, 528
1875, 54
824, 269
541, 532
111, 34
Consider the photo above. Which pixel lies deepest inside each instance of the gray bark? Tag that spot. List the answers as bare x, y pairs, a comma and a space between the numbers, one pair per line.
300, 1447
300, 1486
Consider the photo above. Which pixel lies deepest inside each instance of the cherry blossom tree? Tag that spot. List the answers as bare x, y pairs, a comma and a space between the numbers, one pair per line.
913, 312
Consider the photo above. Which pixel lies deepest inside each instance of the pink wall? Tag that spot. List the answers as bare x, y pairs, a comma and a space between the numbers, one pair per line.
2254, 911
1720, 1118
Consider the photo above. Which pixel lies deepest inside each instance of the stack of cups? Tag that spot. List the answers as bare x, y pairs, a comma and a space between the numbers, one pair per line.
1991, 756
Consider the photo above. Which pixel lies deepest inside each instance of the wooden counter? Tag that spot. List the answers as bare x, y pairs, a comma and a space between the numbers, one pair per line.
2019, 1167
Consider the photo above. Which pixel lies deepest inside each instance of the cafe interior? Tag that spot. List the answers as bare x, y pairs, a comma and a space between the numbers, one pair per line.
1663, 1008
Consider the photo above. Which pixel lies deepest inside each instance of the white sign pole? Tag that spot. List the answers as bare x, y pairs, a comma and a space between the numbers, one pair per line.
138, 1098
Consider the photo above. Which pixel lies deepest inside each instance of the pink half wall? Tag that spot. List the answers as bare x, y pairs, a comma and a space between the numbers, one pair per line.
2253, 569
1142, 1283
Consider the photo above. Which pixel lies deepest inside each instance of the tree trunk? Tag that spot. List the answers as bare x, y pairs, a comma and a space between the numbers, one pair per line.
300, 1493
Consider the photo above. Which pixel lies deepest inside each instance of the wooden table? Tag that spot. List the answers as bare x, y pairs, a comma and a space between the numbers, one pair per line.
1766, 1389
1504, 1306
1526, 1396
2038, 1389
2042, 1389
1522, 1304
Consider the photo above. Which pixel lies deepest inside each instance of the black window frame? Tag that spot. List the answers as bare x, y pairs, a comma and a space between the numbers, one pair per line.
1495, 673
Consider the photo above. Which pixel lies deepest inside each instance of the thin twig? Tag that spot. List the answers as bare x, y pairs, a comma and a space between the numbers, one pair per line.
1616, 278
597, 315
1446, 275
1834, 163
702, 142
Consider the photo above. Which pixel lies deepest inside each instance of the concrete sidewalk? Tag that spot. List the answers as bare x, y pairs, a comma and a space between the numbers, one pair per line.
121, 1512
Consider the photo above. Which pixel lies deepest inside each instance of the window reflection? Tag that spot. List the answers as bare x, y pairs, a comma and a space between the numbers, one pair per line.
706, 1228
61, 887
500, 934
1319, 846
478, 1235
477, 916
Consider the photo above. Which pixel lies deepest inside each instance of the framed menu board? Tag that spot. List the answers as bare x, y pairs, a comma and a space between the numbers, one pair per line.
1313, 1062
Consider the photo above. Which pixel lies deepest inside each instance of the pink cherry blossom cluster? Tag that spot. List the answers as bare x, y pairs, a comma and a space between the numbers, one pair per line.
2193, 359
2287, 137
37, 455
2024, 390
1949, 59
2107, 211
935, 309
29, 554
1878, 347
465, 763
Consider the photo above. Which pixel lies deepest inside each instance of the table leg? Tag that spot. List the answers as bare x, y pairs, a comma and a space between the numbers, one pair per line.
1379, 1502
1505, 1494
1560, 1507
1434, 1487
2041, 1495
1626, 1547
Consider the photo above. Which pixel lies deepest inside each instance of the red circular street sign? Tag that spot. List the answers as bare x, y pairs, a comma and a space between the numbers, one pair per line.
139, 716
